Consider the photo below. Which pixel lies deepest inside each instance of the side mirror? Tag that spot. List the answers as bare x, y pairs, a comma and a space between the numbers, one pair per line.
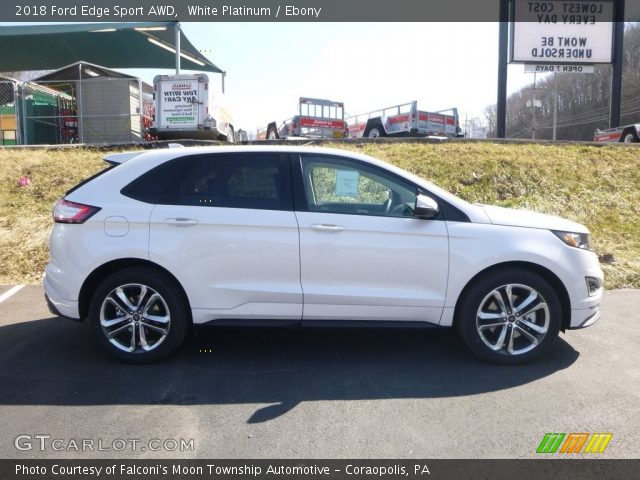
426, 207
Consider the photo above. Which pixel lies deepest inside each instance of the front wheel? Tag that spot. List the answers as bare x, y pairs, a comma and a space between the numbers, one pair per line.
139, 315
630, 137
510, 317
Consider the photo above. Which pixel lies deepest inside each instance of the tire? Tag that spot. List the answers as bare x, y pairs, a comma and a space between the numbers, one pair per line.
629, 137
375, 131
481, 320
153, 338
272, 133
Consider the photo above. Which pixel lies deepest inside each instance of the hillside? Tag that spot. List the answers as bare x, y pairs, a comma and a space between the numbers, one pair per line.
597, 186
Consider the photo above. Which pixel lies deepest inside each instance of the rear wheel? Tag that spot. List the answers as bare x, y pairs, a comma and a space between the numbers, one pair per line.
272, 133
629, 137
139, 315
375, 131
512, 316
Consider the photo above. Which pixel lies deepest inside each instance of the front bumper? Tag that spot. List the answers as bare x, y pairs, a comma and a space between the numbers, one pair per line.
585, 317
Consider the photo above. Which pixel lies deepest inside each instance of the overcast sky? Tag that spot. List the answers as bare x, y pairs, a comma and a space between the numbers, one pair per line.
365, 65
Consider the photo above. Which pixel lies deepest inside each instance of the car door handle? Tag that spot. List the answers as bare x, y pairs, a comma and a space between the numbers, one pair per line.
181, 222
323, 227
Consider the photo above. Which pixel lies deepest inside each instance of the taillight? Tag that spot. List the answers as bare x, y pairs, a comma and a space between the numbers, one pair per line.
65, 211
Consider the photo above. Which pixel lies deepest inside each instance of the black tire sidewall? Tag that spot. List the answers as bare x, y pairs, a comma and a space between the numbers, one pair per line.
172, 295
466, 316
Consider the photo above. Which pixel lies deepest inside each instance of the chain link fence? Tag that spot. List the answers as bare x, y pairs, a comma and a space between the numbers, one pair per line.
96, 110
8, 115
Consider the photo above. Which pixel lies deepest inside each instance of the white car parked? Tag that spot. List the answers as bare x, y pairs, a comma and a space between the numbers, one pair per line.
167, 239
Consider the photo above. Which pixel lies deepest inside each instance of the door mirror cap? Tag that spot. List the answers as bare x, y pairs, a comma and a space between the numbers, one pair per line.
426, 207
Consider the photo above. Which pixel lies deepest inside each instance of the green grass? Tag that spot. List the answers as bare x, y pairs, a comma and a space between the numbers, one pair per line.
596, 186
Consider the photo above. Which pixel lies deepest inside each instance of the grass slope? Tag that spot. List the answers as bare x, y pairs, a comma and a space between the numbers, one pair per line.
597, 186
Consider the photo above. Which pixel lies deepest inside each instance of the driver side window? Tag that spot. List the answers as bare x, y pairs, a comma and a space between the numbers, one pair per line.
337, 185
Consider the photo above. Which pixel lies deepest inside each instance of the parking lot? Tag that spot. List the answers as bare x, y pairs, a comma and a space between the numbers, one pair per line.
286, 393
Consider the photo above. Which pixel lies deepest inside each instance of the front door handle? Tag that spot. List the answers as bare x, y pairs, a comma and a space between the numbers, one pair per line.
181, 222
324, 227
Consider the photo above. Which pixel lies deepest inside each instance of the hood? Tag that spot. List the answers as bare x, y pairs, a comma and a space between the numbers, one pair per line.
526, 218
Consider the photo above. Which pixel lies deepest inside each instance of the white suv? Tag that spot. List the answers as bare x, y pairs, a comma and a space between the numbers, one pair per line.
167, 239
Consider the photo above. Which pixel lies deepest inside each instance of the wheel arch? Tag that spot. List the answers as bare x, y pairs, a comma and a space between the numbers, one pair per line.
375, 122
273, 126
548, 275
103, 271
629, 130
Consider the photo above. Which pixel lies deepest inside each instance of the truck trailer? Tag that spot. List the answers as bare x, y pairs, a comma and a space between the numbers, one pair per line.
190, 107
405, 120
317, 118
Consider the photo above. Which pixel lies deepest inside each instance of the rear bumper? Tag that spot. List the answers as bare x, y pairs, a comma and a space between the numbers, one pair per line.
57, 305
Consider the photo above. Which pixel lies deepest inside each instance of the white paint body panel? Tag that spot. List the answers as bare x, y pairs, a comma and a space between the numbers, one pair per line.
261, 264
379, 262
234, 263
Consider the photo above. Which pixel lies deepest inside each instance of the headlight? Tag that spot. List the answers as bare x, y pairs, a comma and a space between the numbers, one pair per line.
578, 240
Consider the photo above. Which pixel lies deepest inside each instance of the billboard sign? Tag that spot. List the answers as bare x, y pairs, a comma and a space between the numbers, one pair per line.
562, 31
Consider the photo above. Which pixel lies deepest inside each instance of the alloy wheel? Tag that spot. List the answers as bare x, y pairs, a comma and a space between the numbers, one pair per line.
513, 319
134, 317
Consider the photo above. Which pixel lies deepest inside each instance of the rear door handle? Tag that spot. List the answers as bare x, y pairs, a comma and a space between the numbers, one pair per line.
323, 227
181, 222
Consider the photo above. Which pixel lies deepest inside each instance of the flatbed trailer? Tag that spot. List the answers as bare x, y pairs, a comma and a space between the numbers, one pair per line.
624, 134
404, 120
317, 118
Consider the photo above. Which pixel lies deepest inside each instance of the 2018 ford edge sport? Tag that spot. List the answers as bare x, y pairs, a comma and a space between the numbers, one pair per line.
171, 238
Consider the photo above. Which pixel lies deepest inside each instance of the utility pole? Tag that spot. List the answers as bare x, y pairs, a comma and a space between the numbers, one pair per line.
503, 42
616, 74
533, 105
177, 44
555, 106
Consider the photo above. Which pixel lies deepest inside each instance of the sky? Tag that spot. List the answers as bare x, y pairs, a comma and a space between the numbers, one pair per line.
367, 66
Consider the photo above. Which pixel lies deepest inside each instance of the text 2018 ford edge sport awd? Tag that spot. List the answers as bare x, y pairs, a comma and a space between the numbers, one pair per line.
167, 239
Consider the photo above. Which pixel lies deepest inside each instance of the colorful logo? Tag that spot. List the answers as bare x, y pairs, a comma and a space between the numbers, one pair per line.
574, 442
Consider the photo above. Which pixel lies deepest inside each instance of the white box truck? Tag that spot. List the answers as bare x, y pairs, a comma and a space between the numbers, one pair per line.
190, 107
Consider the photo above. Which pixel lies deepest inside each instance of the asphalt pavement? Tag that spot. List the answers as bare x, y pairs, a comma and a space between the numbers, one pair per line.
289, 393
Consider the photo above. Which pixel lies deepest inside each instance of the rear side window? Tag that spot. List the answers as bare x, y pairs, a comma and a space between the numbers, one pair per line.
256, 181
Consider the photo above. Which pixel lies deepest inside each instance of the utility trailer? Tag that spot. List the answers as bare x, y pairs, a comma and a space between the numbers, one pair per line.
624, 134
190, 107
404, 120
317, 118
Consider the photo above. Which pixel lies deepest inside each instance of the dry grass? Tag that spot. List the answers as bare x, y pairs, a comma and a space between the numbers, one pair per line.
597, 186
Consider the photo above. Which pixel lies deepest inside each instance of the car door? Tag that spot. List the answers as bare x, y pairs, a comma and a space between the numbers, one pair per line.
226, 226
363, 254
